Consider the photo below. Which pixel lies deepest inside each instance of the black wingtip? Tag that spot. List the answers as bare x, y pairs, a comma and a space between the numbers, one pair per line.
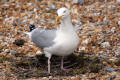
32, 27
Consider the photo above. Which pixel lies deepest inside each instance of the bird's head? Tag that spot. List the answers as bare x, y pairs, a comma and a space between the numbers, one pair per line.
62, 13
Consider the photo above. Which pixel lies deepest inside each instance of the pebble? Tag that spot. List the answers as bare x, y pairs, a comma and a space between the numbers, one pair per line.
118, 1
117, 51
45, 78
17, 6
81, 48
50, 77
7, 50
77, 1
102, 54
1, 33
31, 13
31, 22
90, 32
112, 77
79, 22
14, 24
73, 77
26, 17
113, 59
118, 22
85, 41
40, 0
19, 42
112, 7
6, 5
84, 77
7, 19
113, 29
22, 22
35, 9
2, 73
29, 4
0, 51
53, 7
13, 52
110, 69
105, 44
118, 33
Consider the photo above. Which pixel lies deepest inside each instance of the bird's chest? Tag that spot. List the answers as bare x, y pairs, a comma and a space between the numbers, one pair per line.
66, 42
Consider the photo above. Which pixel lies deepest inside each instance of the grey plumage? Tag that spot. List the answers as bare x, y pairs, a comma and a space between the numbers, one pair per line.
43, 38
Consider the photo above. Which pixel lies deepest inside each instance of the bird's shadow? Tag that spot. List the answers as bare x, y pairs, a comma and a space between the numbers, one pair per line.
24, 66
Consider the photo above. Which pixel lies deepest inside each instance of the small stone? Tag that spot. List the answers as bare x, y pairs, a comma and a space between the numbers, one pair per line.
40, 0
17, 6
118, 1
21, 22
79, 22
117, 63
29, 4
1, 18
19, 42
73, 78
2, 74
35, 9
45, 78
85, 41
112, 77
77, 1
113, 59
31, 22
50, 77
0, 51
53, 7
6, 5
117, 51
110, 69
1, 33
102, 54
113, 29
112, 7
105, 44
90, 32
81, 48
7, 50
14, 24
7, 19
26, 17
13, 52
84, 77
118, 22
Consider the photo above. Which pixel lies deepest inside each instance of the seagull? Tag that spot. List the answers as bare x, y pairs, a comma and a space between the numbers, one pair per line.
61, 41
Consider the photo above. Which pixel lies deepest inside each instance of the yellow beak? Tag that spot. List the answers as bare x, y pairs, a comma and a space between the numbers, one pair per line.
58, 18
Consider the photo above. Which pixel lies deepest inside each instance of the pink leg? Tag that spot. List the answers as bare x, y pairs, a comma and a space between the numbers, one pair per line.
62, 68
48, 65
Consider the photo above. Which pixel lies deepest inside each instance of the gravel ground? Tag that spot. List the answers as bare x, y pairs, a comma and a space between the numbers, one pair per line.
97, 57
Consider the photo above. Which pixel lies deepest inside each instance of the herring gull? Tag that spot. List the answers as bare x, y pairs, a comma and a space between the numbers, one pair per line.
61, 41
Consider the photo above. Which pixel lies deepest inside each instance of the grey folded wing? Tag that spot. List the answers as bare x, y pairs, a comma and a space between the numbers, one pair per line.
43, 38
